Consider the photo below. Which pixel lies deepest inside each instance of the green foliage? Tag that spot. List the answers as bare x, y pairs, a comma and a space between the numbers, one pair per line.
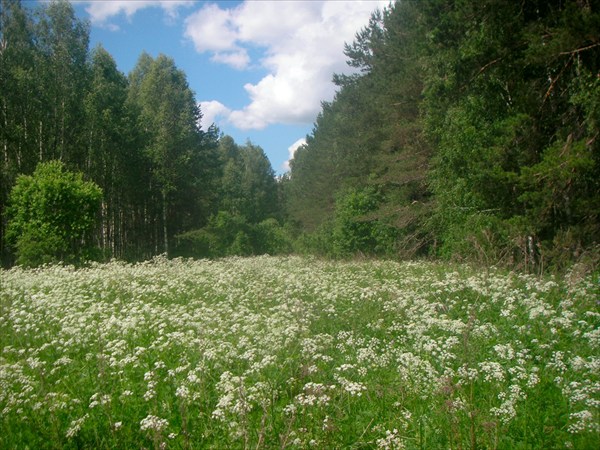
317, 242
229, 234
272, 238
248, 207
138, 138
370, 135
356, 230
511, 111
51, 214
222, 236
171, 141
247, 186
477, 122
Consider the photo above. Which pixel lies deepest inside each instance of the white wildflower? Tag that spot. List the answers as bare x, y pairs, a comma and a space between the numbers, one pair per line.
75, 426
493, 371
182, 392
391, 441
583, 421
152, 422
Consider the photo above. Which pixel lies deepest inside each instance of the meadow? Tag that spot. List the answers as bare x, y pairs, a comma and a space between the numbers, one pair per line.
295, 352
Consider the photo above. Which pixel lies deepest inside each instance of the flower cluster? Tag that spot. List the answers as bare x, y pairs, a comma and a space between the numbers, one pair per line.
277, 352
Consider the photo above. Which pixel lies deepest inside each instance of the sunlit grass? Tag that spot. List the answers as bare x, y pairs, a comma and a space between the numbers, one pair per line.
297, 353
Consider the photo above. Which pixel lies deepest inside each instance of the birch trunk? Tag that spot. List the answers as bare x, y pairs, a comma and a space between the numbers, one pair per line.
164, 217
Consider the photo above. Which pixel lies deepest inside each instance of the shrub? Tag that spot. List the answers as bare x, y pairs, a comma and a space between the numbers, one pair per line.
270, 237
51, 214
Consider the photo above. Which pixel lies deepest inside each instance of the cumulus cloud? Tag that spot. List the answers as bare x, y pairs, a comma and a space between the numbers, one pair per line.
301, 43
212, 112
101, 11
303, 46
210, 29
238, 59
292, 151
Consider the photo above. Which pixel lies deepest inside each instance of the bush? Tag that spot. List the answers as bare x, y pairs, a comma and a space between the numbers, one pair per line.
271, 238
50, 216
318, 242
356, 228
195, 243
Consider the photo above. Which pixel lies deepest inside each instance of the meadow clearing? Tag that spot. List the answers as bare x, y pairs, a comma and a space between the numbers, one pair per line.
294, 352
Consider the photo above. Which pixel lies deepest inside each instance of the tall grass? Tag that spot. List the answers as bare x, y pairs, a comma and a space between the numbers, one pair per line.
297, 353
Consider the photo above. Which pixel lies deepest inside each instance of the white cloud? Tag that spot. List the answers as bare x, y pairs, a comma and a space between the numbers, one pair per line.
303, 45
238, 59
210, 29
212, 112
101, 11
292, 151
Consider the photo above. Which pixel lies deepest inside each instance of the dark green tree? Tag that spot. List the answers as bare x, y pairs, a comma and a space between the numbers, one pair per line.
258, 184
20, 100
357, 227
513, 141
371, 134
248, 184
248, 212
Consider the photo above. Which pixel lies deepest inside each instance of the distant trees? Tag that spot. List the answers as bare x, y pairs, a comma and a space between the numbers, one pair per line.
248, 218
248, 185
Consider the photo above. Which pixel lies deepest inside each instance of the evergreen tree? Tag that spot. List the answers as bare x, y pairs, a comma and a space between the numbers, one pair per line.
371, 134
504, 116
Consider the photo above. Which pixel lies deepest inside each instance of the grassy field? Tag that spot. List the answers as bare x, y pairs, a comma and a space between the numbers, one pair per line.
293, 352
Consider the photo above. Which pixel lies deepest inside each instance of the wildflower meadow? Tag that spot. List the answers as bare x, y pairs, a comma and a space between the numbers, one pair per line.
296, 352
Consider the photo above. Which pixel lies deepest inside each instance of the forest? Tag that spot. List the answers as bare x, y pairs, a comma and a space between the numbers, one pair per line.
468, 130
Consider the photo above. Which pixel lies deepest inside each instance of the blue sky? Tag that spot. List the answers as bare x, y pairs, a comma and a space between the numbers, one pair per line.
259, 69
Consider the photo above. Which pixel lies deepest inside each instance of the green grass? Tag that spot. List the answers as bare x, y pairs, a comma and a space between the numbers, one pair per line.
297, 353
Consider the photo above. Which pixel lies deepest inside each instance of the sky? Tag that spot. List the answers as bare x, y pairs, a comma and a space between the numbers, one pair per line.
259, 69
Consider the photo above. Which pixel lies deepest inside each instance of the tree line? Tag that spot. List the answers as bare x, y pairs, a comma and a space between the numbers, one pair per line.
469, 131
138, 138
